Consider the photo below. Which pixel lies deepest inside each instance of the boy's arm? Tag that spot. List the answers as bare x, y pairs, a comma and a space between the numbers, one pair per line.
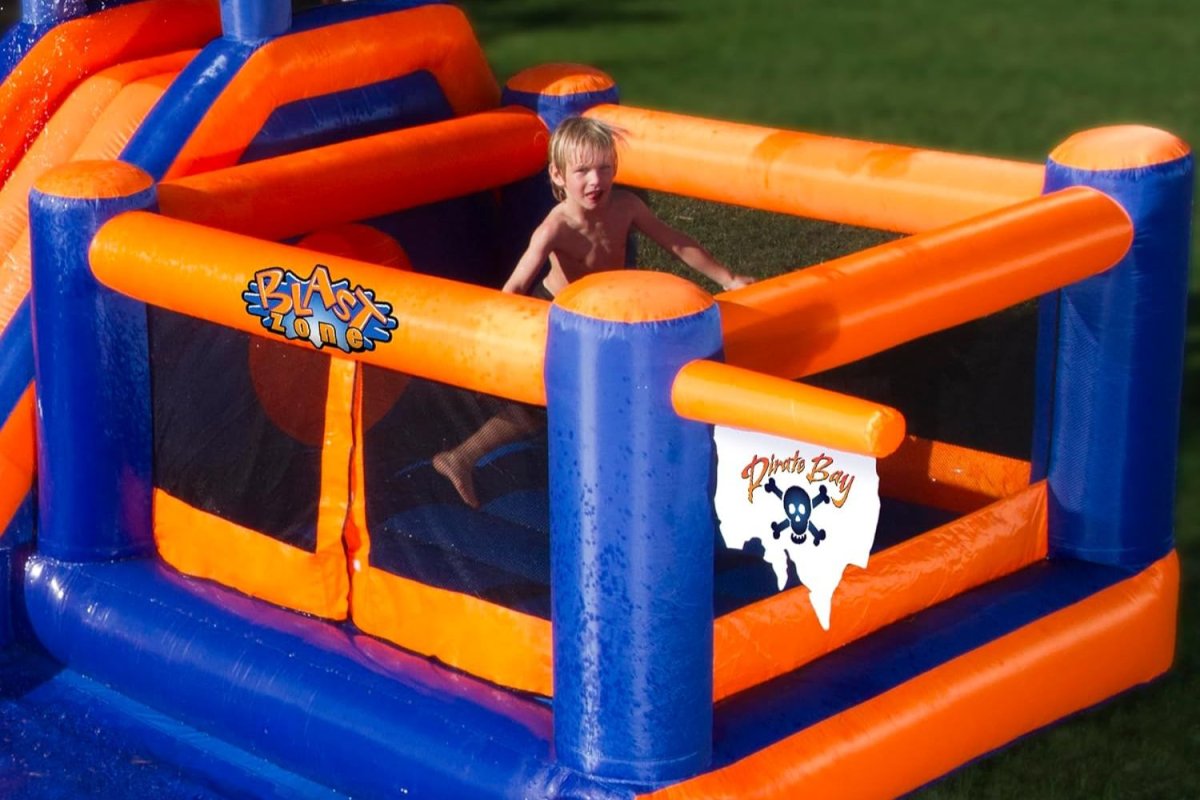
684, 247
531, 261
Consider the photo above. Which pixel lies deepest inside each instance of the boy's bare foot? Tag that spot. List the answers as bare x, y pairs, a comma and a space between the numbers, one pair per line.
461, 479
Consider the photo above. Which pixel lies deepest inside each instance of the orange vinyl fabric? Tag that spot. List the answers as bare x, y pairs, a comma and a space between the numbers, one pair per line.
473, 337
873, 185
858, 305
78, 48
436, 38
67, 129
280, 197
620, 295
473, 635
18, 457
202, 544
1119, 147
902, 580
970, 705
464, 632
721, 394
948, 476
198, 543
558, 80
95, 122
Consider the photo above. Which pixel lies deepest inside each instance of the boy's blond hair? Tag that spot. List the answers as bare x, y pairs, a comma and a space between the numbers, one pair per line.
574, 134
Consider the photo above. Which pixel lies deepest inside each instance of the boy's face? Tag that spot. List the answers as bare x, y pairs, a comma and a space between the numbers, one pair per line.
588, 178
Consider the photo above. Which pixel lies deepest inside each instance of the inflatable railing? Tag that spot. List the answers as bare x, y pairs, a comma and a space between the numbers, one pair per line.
283, 234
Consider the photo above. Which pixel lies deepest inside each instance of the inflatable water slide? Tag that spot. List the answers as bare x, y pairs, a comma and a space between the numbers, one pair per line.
249, 294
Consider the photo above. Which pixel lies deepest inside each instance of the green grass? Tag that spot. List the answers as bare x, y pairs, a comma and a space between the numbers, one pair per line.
1009, 79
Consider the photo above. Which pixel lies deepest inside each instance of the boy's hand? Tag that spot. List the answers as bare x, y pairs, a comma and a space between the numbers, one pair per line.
737, 282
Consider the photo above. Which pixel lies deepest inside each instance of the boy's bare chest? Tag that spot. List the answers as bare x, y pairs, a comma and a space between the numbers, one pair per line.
600, 246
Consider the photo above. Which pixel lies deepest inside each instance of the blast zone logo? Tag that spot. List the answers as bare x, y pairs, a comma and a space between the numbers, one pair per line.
319, 309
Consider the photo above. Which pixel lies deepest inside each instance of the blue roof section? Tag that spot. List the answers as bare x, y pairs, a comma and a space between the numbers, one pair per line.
414, 99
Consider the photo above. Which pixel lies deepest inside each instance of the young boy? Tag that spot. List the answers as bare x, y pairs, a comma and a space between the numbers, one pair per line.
586, 232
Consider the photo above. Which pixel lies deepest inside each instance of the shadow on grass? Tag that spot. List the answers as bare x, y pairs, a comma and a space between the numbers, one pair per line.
494, 18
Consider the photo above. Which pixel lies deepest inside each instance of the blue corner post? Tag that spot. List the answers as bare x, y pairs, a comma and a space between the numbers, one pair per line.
255, 20
1110, 356
92, 371
632, 528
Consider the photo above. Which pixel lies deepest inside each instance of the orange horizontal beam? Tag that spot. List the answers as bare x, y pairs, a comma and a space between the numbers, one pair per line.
721, 394
881, 186
899, 581
1073, 658
281, 197
448, 331
852, 307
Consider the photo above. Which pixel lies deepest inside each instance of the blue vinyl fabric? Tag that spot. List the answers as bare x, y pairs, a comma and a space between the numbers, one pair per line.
631, 549
16, 538
255, 20
155, 145
93, 388
553, 109
16, 358
19, 40
80, 739
414, 99
332, 706
51, 12
1110, 376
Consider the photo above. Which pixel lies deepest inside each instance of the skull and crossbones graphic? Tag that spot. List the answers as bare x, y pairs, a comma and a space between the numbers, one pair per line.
798, 507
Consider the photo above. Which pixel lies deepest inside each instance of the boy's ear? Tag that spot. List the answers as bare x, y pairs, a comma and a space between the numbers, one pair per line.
556, 176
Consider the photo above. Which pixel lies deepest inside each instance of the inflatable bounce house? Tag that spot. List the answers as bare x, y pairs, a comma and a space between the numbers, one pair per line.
248, 294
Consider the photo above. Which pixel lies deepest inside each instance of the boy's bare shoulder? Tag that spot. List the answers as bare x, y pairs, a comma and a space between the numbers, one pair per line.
553, 225
625, 199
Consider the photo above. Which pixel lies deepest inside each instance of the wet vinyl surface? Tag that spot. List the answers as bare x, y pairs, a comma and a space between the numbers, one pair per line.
65, 736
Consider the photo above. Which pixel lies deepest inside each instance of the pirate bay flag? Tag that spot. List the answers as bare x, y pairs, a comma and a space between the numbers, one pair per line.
812, 509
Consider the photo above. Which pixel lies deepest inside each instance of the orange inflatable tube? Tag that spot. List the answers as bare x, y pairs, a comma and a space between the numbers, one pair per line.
873, 185
721, 394
79, 130
436, 38
948, 476
900, 581
280, 197
969, 705
853, 307
18, 459
453, 332
81, 47
67, 129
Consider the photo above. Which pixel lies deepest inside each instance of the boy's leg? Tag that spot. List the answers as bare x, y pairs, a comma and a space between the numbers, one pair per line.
513, 423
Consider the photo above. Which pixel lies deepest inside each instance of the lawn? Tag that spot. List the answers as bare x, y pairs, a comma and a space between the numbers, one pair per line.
1009, 79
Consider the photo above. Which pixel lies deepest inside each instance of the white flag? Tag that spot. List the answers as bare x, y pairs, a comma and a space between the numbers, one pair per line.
812, 506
